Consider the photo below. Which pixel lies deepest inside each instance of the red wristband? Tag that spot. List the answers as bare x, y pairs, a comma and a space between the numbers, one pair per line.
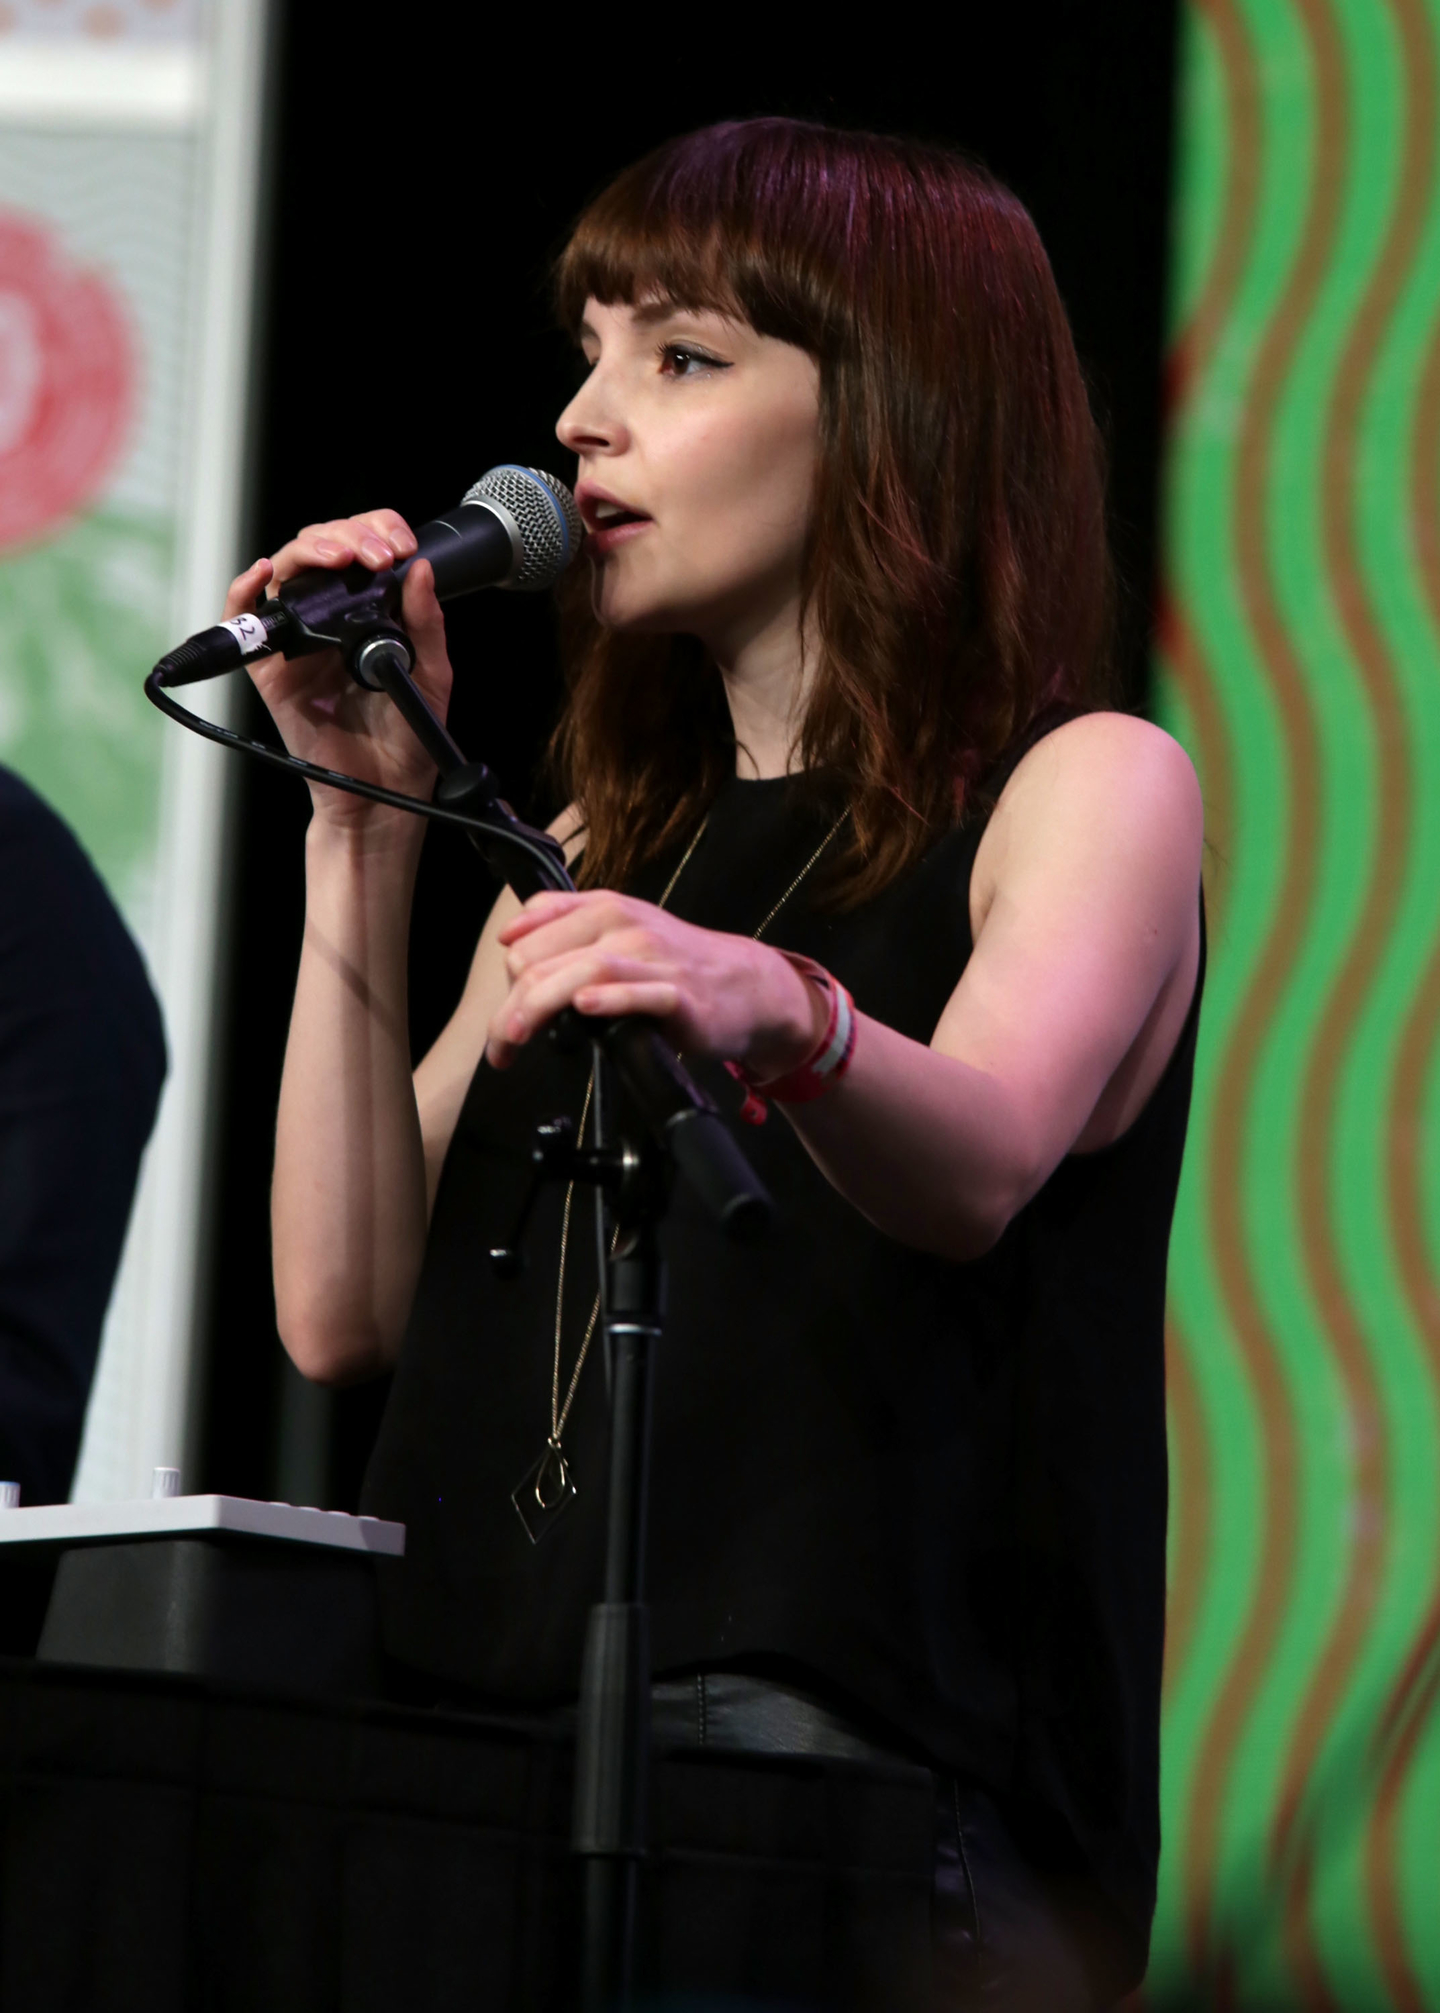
822, 1068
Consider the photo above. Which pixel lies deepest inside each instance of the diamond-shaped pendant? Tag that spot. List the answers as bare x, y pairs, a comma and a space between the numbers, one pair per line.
544, 1492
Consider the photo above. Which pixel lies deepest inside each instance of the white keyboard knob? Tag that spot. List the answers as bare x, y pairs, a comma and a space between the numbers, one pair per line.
164, 1482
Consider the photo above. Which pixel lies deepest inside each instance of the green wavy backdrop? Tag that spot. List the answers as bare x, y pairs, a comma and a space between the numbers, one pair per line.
1301, 665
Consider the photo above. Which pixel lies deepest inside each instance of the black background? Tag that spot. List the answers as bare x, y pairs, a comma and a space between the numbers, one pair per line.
424, 165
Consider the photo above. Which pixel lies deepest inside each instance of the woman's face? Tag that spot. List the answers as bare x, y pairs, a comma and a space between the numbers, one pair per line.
697, 443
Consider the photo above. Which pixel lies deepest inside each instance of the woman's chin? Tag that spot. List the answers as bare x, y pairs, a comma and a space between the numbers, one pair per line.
637, 614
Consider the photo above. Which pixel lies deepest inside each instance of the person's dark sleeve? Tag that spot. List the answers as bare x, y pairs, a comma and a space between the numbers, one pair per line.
82, 1060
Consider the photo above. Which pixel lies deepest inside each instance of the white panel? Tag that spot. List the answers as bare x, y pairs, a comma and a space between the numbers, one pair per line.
70, 83
142, 1409
170, 1517
127, 240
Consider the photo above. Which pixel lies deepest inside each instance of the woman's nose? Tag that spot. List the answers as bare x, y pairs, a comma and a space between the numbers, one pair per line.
588, 424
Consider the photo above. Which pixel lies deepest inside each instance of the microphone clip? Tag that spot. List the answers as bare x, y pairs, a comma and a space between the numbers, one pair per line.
355, 612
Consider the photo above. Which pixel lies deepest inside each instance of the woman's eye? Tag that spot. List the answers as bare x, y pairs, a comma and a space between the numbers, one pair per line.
679, 359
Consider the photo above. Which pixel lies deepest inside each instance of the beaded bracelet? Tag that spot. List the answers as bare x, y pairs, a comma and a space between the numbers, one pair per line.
822, 1068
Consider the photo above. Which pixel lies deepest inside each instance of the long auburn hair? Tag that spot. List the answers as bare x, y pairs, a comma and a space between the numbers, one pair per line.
957, 573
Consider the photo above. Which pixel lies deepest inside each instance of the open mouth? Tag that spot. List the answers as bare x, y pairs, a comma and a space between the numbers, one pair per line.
610, 516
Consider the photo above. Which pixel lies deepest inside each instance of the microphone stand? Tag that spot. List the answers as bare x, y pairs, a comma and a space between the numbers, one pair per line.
667, 1124
612, 1747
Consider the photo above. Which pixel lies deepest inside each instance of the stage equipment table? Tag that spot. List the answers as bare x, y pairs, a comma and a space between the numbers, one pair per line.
172, 1845
267, 1594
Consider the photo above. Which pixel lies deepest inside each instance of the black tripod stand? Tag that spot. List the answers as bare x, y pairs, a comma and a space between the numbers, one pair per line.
651, 1121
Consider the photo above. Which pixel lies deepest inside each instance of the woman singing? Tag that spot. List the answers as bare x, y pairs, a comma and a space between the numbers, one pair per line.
835, 731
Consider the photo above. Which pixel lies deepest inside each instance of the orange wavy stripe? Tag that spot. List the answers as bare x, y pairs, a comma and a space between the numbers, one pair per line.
1417, 1042
1193, 349
1189, 360
1193, 1506
1307, 1967
1277, 1538
1190, 671
1188, 365
1414, 1694
1349, 1347
1381, 1854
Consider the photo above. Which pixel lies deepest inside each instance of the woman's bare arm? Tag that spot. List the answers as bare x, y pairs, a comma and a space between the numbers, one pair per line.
360, 1142
348, 1199
1086, 921
349, 1202
1084, 903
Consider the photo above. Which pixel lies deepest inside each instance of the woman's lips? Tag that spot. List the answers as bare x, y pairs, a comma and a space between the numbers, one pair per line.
606, 537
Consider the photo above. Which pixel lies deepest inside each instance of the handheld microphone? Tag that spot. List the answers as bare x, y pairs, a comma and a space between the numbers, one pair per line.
516, 527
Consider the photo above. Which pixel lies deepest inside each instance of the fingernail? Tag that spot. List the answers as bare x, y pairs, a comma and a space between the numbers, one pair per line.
403, 543
327, 548
374, 553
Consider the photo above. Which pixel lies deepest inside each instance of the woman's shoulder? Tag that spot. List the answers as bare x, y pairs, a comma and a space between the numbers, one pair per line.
1111, 763
1106, 793
1108, 741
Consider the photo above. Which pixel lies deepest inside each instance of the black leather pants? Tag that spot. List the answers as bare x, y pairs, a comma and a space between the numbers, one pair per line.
998, 1942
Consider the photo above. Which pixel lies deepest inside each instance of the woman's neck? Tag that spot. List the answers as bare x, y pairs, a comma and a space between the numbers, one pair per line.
766, 683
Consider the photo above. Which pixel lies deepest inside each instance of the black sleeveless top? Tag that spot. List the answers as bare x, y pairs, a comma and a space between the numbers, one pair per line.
937, 1490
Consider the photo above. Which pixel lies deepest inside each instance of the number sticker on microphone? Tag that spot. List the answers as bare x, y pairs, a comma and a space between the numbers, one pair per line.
249, 633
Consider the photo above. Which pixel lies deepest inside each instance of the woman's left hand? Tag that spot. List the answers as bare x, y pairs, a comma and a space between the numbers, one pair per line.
607, 954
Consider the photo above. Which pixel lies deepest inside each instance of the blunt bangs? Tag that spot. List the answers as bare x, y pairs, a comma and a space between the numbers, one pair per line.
726, 220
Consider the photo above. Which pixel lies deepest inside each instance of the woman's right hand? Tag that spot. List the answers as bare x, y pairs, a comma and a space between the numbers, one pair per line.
323, 715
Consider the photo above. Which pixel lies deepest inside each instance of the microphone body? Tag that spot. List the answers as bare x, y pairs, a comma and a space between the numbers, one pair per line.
516, 528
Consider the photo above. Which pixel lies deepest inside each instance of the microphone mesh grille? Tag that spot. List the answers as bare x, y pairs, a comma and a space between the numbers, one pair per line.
544, 509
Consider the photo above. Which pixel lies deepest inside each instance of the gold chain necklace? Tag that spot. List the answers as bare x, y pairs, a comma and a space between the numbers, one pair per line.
548, 1488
